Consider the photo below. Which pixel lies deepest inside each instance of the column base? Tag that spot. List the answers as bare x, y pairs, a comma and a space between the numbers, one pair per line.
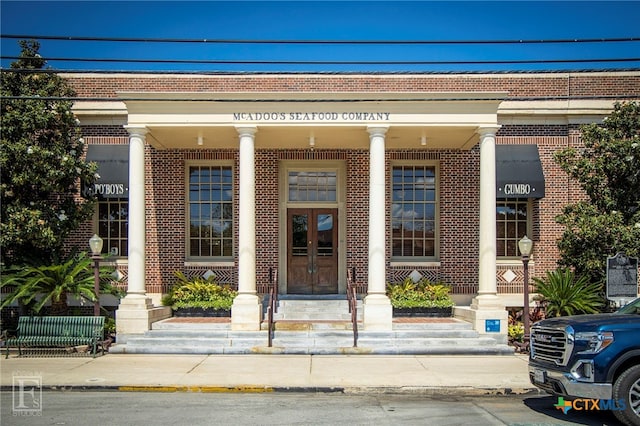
135, 316
377, 312
489, 322
246, 313
487, 301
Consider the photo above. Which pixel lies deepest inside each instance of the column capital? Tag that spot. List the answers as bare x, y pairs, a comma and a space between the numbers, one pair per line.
377, 130
136, 130
488, 130
246, 130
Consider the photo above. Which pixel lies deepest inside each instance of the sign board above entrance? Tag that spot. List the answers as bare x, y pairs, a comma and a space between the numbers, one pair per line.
311, 116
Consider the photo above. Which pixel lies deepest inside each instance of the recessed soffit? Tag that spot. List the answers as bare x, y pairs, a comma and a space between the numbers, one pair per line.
335, 120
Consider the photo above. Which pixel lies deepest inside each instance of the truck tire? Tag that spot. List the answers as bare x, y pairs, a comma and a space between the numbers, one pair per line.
627, 388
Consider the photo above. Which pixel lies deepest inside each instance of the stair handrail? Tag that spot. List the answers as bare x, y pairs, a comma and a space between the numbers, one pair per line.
352, 300
273, 303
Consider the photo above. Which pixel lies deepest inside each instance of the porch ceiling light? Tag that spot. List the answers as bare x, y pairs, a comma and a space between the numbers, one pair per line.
423, 140
312, 141
200, 140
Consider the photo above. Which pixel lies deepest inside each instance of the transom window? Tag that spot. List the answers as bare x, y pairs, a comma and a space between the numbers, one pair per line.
210, 211
113, 225
312, 186
511, 225
413, 211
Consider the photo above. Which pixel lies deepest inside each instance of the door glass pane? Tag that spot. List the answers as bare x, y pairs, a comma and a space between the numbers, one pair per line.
299, 228
325, 235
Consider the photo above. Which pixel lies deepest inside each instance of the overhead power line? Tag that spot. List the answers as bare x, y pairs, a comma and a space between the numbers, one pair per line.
354, 42
302, 62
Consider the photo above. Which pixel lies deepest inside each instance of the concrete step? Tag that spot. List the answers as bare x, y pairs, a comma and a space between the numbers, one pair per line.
311, 337
310, 309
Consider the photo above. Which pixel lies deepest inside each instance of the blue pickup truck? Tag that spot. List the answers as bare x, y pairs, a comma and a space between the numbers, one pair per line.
594, 357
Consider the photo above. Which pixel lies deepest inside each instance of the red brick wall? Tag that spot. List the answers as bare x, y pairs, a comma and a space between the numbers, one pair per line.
459, 203
516, 85
459, 170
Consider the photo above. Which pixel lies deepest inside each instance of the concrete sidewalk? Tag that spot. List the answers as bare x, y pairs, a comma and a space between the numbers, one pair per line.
429, 374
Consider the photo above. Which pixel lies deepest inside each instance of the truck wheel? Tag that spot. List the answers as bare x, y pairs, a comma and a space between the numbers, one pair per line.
627, 388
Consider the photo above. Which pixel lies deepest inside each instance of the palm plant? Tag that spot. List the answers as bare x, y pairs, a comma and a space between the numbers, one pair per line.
35, 286
564, 295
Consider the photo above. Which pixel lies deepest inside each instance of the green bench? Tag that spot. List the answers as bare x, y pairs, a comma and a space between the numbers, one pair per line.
60, 331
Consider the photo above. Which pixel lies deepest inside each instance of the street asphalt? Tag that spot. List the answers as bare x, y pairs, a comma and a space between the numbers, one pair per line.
428, 374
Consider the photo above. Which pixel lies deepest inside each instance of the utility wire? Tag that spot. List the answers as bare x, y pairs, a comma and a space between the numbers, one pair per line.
332, 42
301, 62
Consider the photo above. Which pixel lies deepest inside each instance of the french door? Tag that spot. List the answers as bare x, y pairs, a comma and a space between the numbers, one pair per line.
312, 251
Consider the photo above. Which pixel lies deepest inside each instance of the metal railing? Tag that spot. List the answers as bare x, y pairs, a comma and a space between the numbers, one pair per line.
272, 307
352, 299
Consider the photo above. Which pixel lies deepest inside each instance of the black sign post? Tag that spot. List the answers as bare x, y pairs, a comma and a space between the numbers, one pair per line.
622, 278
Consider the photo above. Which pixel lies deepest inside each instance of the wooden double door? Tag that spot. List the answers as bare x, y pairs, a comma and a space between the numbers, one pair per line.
312, 251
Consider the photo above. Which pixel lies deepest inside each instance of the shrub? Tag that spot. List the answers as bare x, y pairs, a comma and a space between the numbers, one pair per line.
199, 292
35, 286
516, 332
423, 294
563, 294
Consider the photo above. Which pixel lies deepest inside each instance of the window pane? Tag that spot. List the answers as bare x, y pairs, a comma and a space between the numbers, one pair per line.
511, 226
113, 225
210, 210
312, 186
413, 211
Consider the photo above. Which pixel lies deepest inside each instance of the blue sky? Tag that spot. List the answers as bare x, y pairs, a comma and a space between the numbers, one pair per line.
328, 20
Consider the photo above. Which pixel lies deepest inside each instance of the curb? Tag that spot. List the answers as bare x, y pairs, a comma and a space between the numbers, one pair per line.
425, 391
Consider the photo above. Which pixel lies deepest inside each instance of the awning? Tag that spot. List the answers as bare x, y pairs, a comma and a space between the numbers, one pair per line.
519, 172
113, 169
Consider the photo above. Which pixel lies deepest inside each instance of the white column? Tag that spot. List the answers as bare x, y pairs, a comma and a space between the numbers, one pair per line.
487, 308
246, 312
136, 312
378, 314
137, 238
487, 286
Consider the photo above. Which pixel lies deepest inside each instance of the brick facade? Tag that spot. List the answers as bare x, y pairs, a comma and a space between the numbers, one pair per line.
459, 171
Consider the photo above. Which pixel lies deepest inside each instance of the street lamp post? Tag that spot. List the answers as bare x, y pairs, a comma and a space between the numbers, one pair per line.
95, 243
525, 245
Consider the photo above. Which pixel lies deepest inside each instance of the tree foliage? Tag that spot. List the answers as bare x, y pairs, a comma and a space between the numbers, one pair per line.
40, 161
608, 170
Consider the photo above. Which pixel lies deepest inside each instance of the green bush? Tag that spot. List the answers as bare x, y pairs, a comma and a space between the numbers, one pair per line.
199, 292
421, 294
564, 294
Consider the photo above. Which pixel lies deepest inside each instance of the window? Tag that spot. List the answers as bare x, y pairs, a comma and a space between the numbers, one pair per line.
210, 211
312, 186
511, 225
414, 211
113, 225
